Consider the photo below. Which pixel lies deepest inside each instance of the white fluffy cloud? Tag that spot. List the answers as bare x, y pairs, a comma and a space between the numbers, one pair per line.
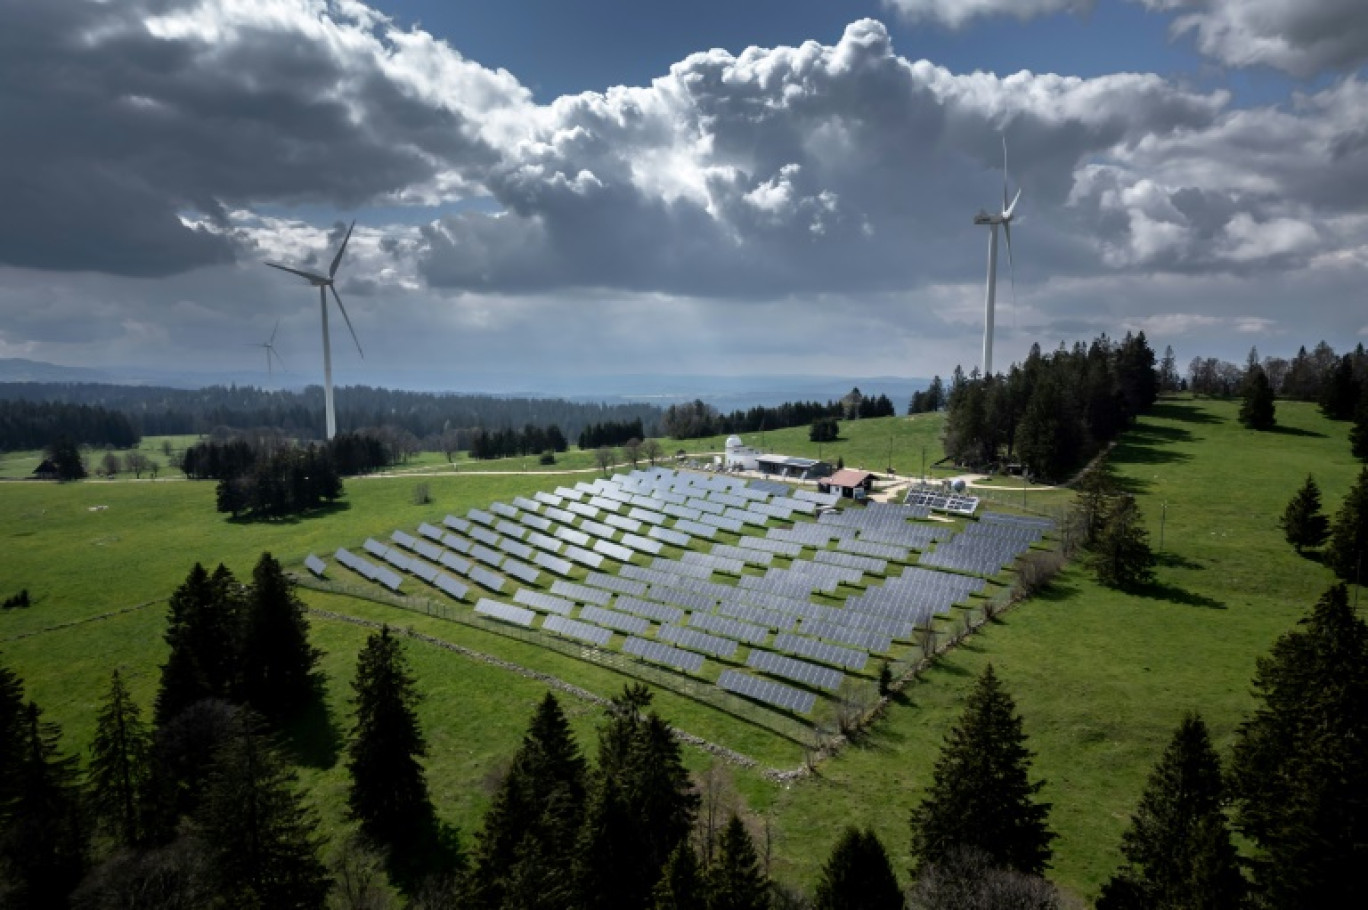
957, 13
1301, 37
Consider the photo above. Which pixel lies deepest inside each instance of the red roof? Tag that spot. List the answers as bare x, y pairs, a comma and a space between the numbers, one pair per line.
848, 477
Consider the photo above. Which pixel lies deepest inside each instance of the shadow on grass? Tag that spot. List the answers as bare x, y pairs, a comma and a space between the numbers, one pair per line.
1054, 592
1185, 412
1174, 594
1134, 451
325, 511
1175, 561
311, 736
1280, 430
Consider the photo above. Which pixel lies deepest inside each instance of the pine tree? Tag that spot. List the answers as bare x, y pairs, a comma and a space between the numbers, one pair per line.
858, 875
43, 850
120, 765
607, 861
66, 459
735, 880
980, 796
537, 811
1300, 772
202, 633
261, 838
681, 885
388, 794
1121, 555
1358, 433
1178, 844
277, 663
1347, 553
1257, 410
11, 736
1340, 394
1302, 522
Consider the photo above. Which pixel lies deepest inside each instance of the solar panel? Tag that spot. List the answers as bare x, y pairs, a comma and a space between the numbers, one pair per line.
598, 529
715, 563
697, 529
429, 550
676, 538
315, 565
525, 504
542, 542
481, 516
507, 612
721, 521
459, 544
546, 603
397, 559
487, 556
583, 557
821, 499
510, 529
613, 551
581, 593
485, 536
649, 609
584, 509
827, 653
666, 655
731, 628
427, 573
695, 640
743, 554
375, 547
573, 628
569, 494
647, 516
626, 524
486, 579
604, 503
536, 522
456, 524
521, 571
768, 691
644, 544
578, 538
552, 563
559, 515
550, 499
455, 563
622, 622
516, 548
778, 547
430, 531
797, 670
616, 583
450, 585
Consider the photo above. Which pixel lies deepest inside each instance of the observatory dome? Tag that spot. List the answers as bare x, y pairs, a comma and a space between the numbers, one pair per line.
734, 442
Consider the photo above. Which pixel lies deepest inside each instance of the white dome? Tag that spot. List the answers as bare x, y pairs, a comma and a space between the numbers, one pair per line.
734, 442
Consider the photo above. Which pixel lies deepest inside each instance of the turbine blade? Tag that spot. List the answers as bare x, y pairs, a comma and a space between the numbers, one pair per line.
273, 333
1011, 266
302, 274
337, 260
1004, 172
349, 325
1007, 212
277, 357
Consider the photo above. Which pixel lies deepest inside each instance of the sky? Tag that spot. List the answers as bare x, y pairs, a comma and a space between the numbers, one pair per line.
566, 190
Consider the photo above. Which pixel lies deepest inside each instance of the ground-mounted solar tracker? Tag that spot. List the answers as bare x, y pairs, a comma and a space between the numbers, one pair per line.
455, 563
870, 548
521, 571
615, 583
568, 494
582, 556
510, 529
701, 569
550, 499
450, 586
612, 619
460, 525
603, 503
486, 579
552, 563
773, 488
486, 555
459, 544
622, 522
598, 529
649, 609
755, 615
504, 509
315, 565
682, 597
543, 542
518, 616
675, 538
747, 555
665, 655
767, 691
748, 517
583, 509
573, 628
432, 532
535, 522
542, 602
836, 655
423, 570
695, 640
870, 640
696, 528
646, 516
682, 511
397, 558
374, 547
485, 536
723, 564
570, 535
850, 561
821, 499
525, 504
428, 550
481, 516
810, 535
705, 507
729, 628
583, 593
777, 547
612, 550
556, 514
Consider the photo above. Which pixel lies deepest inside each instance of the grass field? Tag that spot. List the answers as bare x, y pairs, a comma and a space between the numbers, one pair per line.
1101, 678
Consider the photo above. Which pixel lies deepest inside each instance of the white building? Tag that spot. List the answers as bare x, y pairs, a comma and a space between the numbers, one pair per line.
740, 457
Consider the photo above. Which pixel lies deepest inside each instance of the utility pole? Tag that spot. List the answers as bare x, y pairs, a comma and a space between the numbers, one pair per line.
1163, 517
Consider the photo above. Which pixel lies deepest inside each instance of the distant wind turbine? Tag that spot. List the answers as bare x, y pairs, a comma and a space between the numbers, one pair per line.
270, 349
1004, 219
324, 283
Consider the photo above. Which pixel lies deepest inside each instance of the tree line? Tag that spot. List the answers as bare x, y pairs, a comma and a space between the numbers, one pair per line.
507, 443
611, 433
35, 424
159, 411
698, 419
1053, 412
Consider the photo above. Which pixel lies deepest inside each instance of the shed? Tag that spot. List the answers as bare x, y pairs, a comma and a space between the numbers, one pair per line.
846, 481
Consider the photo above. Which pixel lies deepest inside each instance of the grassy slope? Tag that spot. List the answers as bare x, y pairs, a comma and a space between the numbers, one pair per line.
1101, 678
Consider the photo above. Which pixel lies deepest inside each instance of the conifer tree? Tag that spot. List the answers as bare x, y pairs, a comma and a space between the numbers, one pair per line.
1340, 394
11, 734
1177, 849
606, 863
735, 881
43, 848
980, 796
858, 875
388, 794
681, 885
1302, 522
1358, 433
120, 765
277, 663
1347, 553
202, 633
1300, 771
537, 811
261, 838
66, 459
1257, 409
1120, 555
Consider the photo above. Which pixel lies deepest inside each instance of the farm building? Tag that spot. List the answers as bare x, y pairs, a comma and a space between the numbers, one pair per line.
846, 481
792, 466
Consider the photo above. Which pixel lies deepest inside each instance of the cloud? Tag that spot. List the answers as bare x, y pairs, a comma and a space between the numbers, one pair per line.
958, 13
122, 118
1301, 37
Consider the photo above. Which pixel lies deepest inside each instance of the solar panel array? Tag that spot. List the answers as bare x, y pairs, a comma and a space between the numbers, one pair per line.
573, 628
650, 609
676, 538
983, 547
315, 565
942, 501
695, 640
797, 670
644, 544
616, 583
658, 653
546, 603
731, 628
507, 612
613, 550
622, 622
486, 579
850, 658
768, 691
552, 563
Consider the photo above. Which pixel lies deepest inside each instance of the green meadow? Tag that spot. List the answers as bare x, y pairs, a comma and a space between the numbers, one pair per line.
1101, 678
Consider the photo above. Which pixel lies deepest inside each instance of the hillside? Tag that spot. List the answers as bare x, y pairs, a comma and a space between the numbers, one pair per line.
1100, 678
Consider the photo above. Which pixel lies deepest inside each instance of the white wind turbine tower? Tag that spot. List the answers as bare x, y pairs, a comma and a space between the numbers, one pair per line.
324, 283
270, 350
1004, 219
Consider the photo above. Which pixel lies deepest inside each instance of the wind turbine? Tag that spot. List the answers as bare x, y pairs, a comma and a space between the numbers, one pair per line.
1005, 220
270, 350
324, 283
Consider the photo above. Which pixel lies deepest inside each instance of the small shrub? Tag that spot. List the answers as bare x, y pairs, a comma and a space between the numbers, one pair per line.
18, 600
1035, 571
547, 457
